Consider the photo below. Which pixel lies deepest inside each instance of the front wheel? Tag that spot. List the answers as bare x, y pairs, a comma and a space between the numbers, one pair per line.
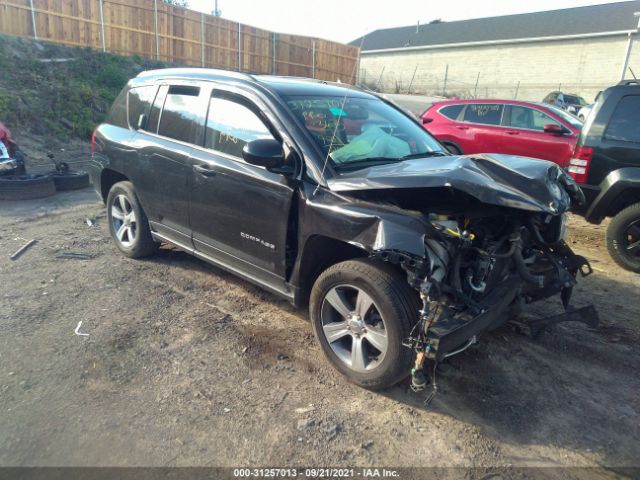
361, 311
128, 223
623, 238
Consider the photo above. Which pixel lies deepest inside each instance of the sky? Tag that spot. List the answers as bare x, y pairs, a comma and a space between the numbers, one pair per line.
346, 20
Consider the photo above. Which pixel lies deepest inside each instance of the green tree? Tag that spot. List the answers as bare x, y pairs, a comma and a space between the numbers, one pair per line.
178, 3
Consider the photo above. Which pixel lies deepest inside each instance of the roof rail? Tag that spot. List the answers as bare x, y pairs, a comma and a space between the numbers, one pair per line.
629, 82
195, 72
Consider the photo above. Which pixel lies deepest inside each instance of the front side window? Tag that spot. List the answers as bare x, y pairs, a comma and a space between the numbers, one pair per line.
624, 125
180, 116
140, 100
231, 125
353, 131
485, 113
529, 118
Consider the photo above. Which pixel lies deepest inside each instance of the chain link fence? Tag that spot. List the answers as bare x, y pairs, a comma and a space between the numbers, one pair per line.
442, 84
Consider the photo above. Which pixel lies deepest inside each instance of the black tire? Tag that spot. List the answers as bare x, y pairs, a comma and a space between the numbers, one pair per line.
21, 161
25, 187
397, 304
140, 243
624, 225
71, 180
452, 148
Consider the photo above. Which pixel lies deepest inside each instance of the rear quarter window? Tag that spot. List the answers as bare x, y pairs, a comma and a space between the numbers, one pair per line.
451, 111
624, 125
140, 100
118, 114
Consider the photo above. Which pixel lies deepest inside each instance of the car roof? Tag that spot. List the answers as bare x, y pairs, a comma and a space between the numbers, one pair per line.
284, 86
491, 100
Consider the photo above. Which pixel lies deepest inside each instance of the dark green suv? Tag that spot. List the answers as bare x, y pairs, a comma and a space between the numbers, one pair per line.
606, 164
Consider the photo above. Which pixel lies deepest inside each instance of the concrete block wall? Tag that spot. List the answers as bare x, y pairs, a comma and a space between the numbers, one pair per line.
582, 66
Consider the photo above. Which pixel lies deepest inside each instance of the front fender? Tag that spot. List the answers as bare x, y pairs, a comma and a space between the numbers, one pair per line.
366, 225
611, 188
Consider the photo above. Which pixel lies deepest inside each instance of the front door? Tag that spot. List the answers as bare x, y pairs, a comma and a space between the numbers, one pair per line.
239, 213
525, 136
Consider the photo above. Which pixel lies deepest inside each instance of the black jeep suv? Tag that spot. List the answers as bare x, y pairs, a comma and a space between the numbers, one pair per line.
607, 165
328, 195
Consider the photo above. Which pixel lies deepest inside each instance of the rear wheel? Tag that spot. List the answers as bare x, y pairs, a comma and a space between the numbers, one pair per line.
623, 238
128, 223
361, 311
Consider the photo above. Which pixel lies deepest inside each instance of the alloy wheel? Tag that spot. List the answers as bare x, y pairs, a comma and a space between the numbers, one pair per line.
631, 239
354, 327
123, 220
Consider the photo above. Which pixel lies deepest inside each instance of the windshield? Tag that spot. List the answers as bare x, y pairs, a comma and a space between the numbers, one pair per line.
367, 130
567, 117
574, 100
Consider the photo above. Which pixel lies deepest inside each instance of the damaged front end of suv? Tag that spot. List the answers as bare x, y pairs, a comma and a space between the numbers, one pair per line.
478, 237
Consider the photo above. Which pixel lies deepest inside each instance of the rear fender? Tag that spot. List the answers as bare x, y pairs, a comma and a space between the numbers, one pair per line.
611, 188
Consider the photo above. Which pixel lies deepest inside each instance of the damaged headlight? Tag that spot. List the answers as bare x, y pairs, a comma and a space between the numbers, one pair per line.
561, 200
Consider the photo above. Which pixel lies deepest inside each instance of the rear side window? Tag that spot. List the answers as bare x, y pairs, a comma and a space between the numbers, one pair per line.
625, 121
451, 111
486, 113
230, 125
140, 100
118, 114
181, 114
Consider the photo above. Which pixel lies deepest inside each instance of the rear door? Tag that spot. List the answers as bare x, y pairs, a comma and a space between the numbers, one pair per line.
239, 213
482, 124
524, 135
164, 153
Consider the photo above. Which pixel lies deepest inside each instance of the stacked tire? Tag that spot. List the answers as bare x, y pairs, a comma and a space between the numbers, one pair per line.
26, 187
29, 186
70, 180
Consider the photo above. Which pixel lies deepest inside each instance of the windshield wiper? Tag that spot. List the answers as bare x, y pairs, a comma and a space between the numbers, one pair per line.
365, 162
373, 161
435, 153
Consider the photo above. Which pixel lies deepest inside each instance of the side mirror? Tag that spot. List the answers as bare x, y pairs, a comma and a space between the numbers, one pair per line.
554, 129
264, 152
426, 120
142, 122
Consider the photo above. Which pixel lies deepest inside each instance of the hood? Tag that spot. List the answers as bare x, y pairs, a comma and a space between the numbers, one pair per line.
502, 180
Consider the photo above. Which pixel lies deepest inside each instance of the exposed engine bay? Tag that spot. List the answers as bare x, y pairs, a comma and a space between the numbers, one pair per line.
482, 261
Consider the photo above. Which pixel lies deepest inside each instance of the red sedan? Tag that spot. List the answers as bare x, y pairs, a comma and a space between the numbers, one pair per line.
504, 126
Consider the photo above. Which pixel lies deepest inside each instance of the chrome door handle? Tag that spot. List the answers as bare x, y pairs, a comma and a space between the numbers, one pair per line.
207, 172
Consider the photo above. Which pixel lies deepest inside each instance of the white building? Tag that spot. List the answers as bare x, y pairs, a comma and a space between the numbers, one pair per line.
577, 50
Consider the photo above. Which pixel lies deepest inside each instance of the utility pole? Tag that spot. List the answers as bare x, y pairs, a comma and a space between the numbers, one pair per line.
216, 11
625, 63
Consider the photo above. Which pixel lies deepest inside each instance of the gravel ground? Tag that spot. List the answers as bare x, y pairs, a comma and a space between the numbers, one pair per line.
186, 365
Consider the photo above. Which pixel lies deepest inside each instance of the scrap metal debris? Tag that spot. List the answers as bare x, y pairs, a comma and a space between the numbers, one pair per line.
76, 255
22, 249
78, 332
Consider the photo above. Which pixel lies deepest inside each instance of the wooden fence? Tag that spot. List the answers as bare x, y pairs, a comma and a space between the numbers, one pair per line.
156, 30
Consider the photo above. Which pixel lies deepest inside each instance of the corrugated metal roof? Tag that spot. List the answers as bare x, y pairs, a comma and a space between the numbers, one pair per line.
570, 21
